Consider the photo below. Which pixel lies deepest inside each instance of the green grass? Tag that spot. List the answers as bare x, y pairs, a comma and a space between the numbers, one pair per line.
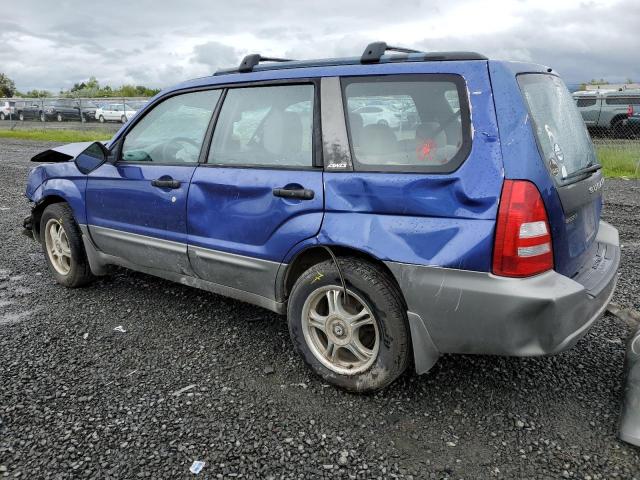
618, 162
63, 136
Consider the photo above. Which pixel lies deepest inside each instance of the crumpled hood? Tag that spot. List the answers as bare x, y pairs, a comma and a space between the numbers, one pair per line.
63, 153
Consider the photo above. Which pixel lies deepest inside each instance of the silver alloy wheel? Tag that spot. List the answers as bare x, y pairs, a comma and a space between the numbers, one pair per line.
342, 334
58, 248
59, 117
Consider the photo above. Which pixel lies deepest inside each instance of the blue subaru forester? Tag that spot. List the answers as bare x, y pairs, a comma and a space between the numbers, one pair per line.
394, 206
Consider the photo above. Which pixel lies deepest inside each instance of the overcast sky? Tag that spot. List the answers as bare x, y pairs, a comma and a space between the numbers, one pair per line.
53, 44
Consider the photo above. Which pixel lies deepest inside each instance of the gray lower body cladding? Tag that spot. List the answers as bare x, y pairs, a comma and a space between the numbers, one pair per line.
449, 310
457, 311
243, 278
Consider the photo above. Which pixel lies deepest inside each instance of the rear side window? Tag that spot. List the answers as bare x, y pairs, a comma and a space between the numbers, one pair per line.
586, 102
265, 127
560, 131
408, 123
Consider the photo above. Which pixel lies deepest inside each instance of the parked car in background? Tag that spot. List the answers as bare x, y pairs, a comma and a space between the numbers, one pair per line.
384, 247
607, 111
379, 114
70, 109
7, 109
137, 104
30, 110
119, 112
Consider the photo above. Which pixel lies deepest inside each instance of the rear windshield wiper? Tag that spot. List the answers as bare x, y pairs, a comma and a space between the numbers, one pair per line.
588, 169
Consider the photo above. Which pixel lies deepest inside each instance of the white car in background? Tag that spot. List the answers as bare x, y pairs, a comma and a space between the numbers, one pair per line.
7, 109
379, 114
119, 112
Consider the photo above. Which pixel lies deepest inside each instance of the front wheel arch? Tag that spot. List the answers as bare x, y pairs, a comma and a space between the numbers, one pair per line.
39, 208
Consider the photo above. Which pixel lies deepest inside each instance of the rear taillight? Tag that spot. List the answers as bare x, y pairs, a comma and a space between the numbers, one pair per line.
523, 240
630, 111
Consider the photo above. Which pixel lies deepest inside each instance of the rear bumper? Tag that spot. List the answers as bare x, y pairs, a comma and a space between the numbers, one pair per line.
457, 311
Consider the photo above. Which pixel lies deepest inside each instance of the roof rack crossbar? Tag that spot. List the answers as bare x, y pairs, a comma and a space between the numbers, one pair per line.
254, 59
374, 51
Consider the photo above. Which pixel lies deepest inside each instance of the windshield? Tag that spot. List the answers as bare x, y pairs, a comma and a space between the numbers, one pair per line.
562, 135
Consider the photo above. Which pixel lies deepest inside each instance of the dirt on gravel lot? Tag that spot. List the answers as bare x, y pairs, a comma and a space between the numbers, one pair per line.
78, 399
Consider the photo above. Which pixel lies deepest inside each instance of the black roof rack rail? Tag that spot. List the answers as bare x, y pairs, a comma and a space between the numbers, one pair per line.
254, 59
374, 51
372, 54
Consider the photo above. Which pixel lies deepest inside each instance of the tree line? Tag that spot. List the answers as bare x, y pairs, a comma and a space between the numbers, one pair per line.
89, 88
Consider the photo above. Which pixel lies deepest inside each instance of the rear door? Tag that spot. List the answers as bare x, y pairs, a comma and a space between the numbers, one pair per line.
260, 191
136, 208
570, 158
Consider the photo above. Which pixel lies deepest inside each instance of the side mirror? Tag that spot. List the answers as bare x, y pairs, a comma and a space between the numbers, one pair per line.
92, 157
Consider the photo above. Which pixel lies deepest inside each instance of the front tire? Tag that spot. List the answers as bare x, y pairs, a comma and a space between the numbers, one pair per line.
21, 117
361, 344
123, 119
59, 117
1, 115
63, 248
101, 119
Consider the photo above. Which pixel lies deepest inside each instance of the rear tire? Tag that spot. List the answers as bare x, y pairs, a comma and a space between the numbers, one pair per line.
123, 119
101, 119
43, 118
21, 117
59, 117
361, 345
63, 248
1, 115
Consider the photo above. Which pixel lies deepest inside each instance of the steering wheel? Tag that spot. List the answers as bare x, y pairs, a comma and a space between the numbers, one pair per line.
172, 147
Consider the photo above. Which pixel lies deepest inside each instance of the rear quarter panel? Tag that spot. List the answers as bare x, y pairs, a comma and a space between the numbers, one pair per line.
443, 220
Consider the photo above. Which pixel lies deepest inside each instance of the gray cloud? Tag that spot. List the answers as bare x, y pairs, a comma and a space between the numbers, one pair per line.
159, 42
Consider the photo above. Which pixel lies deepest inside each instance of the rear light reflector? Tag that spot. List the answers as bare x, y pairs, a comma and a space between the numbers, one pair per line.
630, 111
523, 240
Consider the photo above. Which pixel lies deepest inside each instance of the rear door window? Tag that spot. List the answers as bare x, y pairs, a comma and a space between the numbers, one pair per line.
562, 136
269, 126
408, 122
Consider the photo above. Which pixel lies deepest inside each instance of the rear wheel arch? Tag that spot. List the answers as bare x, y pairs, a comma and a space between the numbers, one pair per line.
317, 254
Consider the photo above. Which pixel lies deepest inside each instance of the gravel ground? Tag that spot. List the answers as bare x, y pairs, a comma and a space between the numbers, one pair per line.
199, 377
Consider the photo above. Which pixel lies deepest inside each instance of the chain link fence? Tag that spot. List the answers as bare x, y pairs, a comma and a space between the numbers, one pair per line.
103, 114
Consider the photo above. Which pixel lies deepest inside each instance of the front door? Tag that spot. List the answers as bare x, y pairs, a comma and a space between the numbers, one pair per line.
136, 208
260, 191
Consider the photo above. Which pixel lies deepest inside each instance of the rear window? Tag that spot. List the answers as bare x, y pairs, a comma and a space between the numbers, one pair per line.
560, 131
408, 123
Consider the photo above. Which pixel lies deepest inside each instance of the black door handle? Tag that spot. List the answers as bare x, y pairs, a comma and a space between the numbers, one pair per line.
166, 183
301, 193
